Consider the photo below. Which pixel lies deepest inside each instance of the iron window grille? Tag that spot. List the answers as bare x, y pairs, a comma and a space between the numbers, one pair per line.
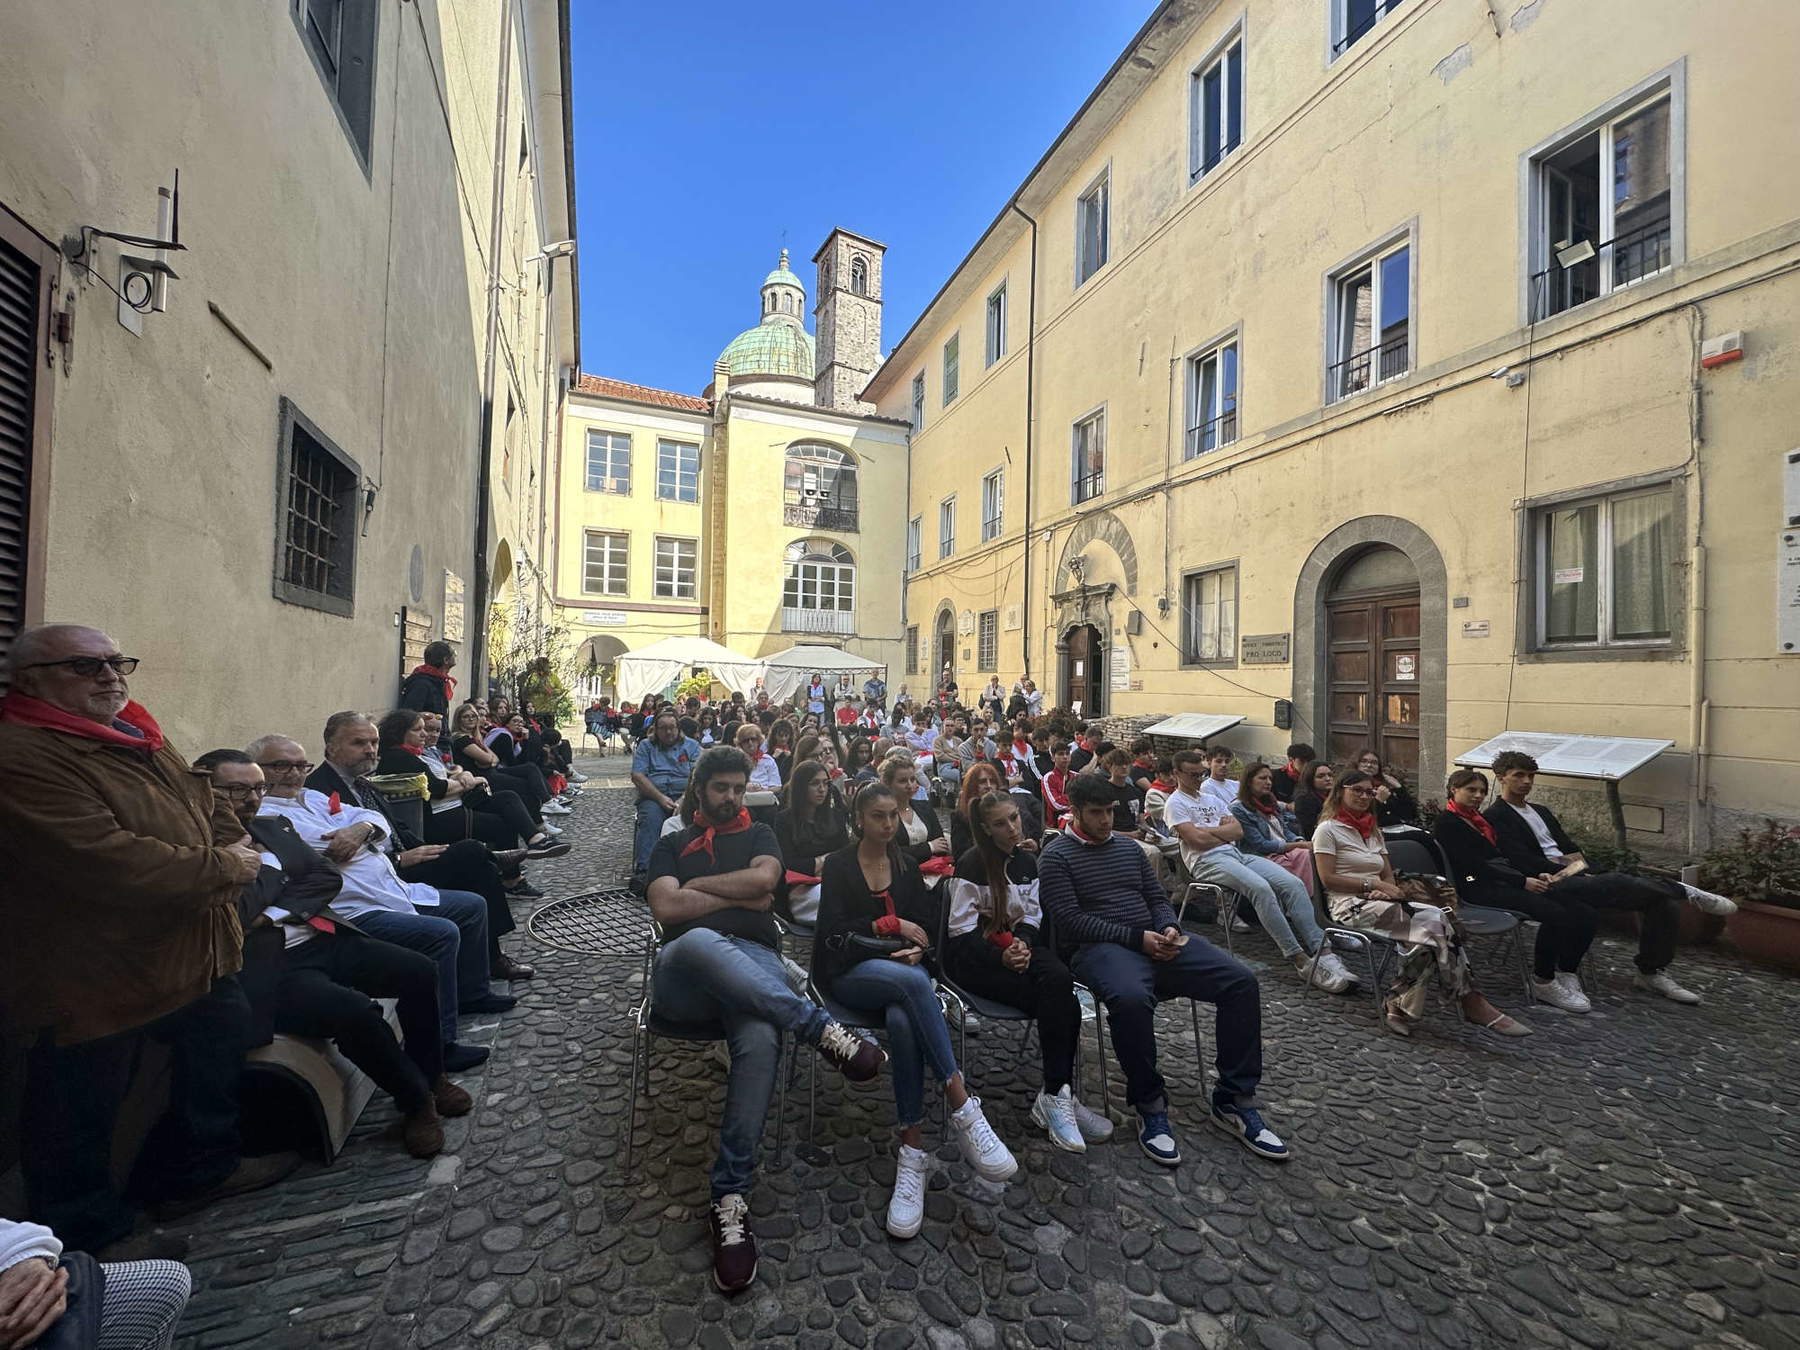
1089, 458
987, 640
316, 562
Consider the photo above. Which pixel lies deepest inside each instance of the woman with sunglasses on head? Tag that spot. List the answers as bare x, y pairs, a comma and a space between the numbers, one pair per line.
874, 920
997, 950
1363, 892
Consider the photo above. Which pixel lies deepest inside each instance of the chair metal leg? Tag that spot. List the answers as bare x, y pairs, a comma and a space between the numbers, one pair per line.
786, 1069
1100, 1046
1199, 1047
640, 1065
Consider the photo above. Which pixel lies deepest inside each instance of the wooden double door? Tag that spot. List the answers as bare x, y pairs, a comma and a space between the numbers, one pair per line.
1373, 675
1084, 672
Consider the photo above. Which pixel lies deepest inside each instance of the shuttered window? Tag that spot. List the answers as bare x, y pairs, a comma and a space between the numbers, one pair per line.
23, 305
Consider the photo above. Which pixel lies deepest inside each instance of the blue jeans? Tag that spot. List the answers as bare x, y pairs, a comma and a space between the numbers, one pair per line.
650, 820
454, 935
1130, 984
705, 976
915, 1026
1281, 901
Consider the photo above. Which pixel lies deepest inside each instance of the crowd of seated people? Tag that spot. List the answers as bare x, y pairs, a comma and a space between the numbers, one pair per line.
260, 890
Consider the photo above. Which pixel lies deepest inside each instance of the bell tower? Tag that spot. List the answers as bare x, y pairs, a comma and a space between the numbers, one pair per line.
848, 319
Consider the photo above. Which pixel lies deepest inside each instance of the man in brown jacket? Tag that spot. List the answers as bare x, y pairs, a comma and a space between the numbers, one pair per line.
119, 877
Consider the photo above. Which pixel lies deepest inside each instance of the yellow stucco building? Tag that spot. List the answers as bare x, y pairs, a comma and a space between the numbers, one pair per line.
762, 513
319, 439
1430, 366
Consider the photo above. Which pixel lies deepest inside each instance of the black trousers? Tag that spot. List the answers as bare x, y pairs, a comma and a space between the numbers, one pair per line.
72, 1098
527, 780
327, 990
469, 866
501, 814
1565, 925
1656, 903
1045, 989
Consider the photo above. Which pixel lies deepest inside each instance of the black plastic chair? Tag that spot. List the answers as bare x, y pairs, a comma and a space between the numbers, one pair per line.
1412, 851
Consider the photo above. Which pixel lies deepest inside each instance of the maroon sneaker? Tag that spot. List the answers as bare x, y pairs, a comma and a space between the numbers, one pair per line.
857, 1058
734, 1246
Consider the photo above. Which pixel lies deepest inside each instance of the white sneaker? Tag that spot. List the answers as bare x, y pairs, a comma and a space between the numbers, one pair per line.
1707, 902
1571, 985
981, 1147
553, 808
1057, 1115
577, 777
906, 1210
1661, 982
1238, 925
1095, 1128
1559, 995
552, 830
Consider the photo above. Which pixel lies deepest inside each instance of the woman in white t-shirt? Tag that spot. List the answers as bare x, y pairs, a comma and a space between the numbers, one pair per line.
1362, 892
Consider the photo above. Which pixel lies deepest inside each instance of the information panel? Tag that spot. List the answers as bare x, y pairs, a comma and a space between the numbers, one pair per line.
1599, 757
1194, 726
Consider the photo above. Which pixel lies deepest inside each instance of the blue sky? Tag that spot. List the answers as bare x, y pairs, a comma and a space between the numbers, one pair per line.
705, 130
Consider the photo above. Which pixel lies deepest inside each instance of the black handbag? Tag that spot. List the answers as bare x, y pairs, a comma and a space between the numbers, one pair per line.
79, 1326
875, 946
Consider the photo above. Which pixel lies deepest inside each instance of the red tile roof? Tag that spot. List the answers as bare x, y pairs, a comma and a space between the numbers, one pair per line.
641, 393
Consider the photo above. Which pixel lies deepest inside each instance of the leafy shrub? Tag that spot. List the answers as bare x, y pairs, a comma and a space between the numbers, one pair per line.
1761, 865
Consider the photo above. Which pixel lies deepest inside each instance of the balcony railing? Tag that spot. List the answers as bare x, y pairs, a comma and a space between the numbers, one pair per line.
794, 620
1359, 370
1089, 485
817, 516
1222, 430
1359, 30
1626, 258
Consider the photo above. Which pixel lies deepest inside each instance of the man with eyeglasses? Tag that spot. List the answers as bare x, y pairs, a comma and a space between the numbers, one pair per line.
452, 931
119, 878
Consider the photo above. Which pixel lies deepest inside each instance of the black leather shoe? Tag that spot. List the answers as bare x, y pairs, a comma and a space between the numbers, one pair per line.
462, 1058
489, 1003
503, 967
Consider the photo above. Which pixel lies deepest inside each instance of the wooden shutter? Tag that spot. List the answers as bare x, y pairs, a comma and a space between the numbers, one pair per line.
24, 310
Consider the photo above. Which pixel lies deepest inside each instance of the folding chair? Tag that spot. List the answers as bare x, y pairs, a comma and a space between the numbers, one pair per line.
1414, 852
962, 1002
647, 1026
857, 1020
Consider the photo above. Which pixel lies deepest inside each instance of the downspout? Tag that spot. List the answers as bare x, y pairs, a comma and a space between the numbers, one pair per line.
1699, 706
548, 374
1026, 626
478, 659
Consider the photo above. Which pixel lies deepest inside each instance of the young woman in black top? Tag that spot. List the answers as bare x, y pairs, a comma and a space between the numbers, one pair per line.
1316, 780
997, 949
781, 747
981, 779
470, 752
813, 826
871, 891
1394, 805
1483, 876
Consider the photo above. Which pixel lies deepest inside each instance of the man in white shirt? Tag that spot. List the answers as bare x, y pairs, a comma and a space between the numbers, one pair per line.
453, 931
1208, 833
1216, 785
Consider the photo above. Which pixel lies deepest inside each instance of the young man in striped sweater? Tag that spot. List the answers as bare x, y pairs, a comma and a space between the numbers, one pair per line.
1115, 925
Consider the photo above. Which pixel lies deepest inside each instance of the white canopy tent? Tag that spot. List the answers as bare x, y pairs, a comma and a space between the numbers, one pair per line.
649, 670
786, 672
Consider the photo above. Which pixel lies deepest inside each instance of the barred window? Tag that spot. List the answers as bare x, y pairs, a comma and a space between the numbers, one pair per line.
912, 649
987, 641
316, 566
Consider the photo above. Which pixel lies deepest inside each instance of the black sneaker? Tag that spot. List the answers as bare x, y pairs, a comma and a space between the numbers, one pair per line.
489, 1003
462, 1058
733, 1244
550, 848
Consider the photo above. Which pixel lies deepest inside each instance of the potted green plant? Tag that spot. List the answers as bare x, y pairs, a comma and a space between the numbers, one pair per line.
1760, 870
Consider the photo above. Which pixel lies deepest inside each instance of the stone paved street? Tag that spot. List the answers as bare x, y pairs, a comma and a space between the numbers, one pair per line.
1620, 1180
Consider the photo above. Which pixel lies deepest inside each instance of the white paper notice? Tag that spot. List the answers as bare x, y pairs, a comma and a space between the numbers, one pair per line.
1567, 576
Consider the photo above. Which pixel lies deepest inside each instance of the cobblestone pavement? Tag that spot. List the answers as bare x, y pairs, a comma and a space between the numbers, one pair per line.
1622, 1179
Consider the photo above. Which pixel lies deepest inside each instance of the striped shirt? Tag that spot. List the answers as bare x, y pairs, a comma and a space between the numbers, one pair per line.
1101, 892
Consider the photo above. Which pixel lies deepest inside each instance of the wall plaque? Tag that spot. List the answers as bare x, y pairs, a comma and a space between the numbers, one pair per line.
1265, 649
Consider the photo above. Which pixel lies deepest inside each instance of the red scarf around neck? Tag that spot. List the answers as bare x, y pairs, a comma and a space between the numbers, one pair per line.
703, 842
1269, 806
1363, 824
34, 712
1477, 822
410, 749
1075, 830
444, 675
888, 925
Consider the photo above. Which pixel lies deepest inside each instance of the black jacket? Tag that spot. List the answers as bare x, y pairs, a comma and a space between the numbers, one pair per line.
425, 693
303, 885
1480, 871
1519, 845
825, 833
1307, 806
1398, 809
847, 905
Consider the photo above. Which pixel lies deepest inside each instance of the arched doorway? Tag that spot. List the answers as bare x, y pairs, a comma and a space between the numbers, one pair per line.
1084, 671
943, 649
593, 660
1373, 667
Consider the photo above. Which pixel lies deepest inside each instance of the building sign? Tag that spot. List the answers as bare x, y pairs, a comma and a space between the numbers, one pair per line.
1119, 659
1265, 649
1406, 666
1475, 628
453, 607
605, 618
1787, 600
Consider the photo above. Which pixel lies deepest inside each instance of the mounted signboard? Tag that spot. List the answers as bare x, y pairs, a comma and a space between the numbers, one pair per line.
1606, 758
1265, 649
1194, 726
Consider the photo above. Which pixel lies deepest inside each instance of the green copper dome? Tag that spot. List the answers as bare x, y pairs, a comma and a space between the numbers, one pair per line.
776, 346
782, 277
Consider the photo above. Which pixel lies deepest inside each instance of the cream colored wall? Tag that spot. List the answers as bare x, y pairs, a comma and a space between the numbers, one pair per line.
639, 513
1333, 159
163, 502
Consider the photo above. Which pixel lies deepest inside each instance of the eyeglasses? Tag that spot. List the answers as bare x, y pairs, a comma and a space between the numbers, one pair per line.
294, 765
239, 789
1360, 789
89, 666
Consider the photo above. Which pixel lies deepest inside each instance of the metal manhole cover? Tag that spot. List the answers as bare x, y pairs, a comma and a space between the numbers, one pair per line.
597, 923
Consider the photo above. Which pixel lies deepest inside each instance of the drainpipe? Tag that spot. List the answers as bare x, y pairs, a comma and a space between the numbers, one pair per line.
1026, 625
1699, 835
483, 475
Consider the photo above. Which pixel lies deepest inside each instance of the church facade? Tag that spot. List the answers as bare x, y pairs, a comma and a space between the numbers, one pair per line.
738, 514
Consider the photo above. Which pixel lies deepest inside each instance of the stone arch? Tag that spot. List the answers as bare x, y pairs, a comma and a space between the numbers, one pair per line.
943, 616
1111, 531
1318, 576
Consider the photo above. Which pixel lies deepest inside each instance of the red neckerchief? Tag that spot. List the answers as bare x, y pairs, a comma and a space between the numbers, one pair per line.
1477, 822
334, 804
34, 712
756, 756
1293, 769
1075, 830
1269, 807
888, 925
1161, 786
410, 749
703, 842
444, 675
1363, 824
